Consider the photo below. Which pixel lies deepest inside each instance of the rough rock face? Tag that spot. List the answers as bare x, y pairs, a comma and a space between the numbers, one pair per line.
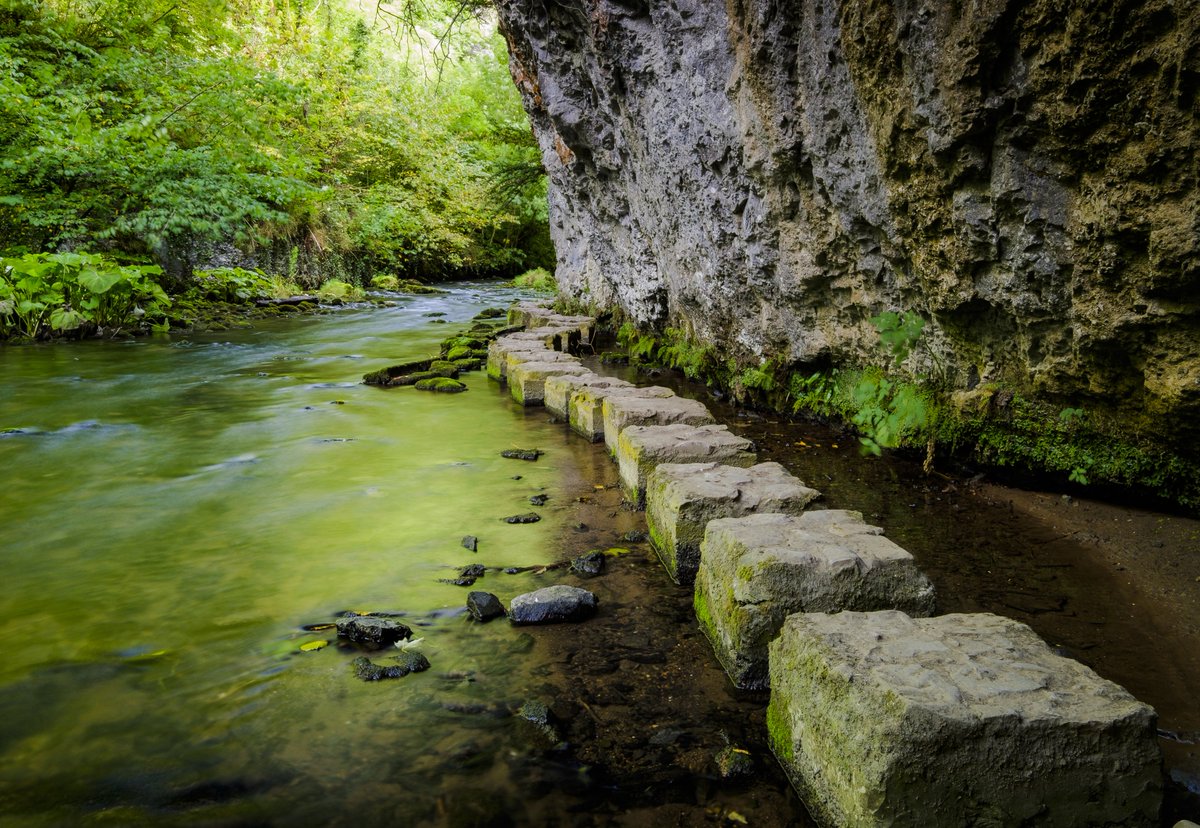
769, 174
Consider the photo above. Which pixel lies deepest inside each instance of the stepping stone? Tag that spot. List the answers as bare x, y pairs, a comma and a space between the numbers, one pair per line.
757, 570
586, 408
499, 349
621, 411
558, 390
681, 498
641, 449
527, 380
515, 358
551, 605
884, 720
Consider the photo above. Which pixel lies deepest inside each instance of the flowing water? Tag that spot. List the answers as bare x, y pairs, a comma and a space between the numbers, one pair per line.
173, 511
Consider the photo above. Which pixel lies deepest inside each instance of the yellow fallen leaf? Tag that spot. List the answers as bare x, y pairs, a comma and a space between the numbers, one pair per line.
598, 487
313, 646
734, 816
834, 445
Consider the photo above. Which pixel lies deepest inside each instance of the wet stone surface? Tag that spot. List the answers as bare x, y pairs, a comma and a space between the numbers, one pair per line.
372, 631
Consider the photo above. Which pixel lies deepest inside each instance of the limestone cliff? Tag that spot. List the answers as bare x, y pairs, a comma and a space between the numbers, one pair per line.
769, 174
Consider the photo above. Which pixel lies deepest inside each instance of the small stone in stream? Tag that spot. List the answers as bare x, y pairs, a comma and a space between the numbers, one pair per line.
364, 629
523, 643
435, 314
552, 604
516, 477
589, 564
484, 606
473, 571
580, 527
633, 536
529, 517
539, 499
470, 542
439, 321
465, 580
537, 716
490, 313
406, 662
522, 454
734, 761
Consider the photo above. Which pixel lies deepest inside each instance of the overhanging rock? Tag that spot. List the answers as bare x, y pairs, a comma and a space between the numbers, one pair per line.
640, 449
884, 720
681, 498
757, 570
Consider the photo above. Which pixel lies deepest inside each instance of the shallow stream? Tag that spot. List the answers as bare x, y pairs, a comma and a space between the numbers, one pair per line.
174, 511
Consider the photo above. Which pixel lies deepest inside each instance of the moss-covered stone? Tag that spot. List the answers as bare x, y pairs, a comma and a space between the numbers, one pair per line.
443, 385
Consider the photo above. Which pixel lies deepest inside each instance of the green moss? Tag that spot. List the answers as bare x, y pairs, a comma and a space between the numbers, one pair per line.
779, 731
458, 352
538, 279
703, 614
440, 384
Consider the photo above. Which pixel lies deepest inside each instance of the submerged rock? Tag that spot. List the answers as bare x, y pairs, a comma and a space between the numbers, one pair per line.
552, 604
528, 517
522, 454
589, 564
484, 606
470, 542
405, 663
473, 571
364, 629
734, 761
539, 499
538, 719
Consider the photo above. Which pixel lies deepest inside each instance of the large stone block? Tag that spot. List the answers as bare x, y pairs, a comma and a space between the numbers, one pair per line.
884, 720
681, 498
558, 390
757, 570
527, 380
519, 357
641, 449
499, 349
621, 411
586, 412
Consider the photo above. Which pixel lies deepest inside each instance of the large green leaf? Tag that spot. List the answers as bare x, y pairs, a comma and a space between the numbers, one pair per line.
100, 281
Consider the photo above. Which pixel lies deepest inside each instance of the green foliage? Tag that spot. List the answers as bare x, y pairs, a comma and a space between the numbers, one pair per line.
886, 411
44, 293
538, 279
335, 290
384, 281
235, 284
899, 332
150, 127
814, 393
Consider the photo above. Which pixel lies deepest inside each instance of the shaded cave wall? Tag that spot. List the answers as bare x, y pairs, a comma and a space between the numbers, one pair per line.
768, 175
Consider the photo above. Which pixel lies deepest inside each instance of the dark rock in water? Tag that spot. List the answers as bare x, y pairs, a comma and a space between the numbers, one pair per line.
470, 542
552, 604
633, 536
529, 517
484, 606
405, 663
491, 313
365, 629
614, 358
733, 761
473, 571
539, 499
522, 454
516, 477
440, 384
439, 321
289, 301
522, 644
589, 564
462, 580
434, 314
540, 721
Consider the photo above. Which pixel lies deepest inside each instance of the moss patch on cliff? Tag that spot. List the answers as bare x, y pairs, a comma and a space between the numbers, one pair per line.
994, 425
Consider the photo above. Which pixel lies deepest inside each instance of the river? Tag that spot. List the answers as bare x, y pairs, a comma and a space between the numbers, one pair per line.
174, 511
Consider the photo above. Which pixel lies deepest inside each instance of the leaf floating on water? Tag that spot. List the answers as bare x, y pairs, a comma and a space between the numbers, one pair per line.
313, 646
318, 627
407, 645
734, 816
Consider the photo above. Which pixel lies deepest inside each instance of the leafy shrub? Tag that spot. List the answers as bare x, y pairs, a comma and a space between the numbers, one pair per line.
538, 279
44, 293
